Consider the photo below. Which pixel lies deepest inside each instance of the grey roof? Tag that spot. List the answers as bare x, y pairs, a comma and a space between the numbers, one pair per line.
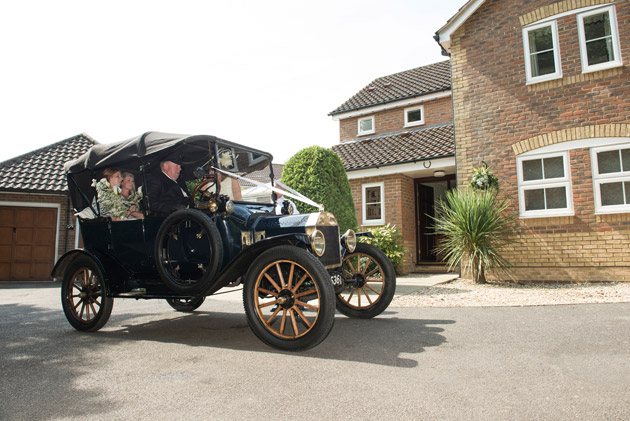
397, 148
408, 84
41, 171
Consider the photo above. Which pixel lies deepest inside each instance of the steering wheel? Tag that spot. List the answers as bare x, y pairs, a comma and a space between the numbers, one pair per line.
208, 181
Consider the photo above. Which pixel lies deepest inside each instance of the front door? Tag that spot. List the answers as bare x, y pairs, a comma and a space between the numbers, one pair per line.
428, 192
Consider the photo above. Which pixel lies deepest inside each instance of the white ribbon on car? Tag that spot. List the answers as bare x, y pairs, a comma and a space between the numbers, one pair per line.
287, 192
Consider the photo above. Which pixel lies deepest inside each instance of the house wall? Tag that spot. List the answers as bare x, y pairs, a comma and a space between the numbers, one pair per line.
66, 237
437, 111
497, 117
399, 197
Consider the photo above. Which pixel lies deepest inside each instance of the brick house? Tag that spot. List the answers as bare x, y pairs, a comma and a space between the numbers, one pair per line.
397, 146
541, 94
36, 221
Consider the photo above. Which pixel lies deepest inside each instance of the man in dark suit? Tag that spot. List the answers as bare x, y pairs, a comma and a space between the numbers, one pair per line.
167, 192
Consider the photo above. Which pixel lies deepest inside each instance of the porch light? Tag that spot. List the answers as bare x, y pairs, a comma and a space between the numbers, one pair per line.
439, 173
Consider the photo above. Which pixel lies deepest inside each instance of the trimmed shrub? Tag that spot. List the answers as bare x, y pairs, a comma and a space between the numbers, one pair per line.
318, 174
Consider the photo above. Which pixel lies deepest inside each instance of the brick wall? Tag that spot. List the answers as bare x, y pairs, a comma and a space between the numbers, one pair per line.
400, 210
437, 111
497, 116
66, 237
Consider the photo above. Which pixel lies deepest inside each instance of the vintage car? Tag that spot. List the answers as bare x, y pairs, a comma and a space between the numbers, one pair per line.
295, 269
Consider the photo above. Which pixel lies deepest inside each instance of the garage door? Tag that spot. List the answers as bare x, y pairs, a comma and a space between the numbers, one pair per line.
27, 243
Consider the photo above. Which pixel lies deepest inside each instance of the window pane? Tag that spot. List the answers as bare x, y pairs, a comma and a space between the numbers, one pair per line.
415, 115
366, 125
540, 39
373, 211
597, 26
625, 157
599, 51
612, 194
543, 63
556, 198
608, 162
532, 170
627, 189
373, 195
534, 199
554, 167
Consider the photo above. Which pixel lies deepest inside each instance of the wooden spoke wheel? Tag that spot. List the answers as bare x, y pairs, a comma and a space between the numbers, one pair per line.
85, 302
186, 304
372, 280
289, 299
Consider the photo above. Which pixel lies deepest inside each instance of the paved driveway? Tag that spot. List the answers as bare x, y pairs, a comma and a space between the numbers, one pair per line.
149, 362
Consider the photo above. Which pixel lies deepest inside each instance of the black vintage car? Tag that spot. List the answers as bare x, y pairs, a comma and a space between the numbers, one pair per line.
294, 269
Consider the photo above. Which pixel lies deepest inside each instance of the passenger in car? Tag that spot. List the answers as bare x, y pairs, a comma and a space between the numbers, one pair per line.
167, 191
108, 190
130, 197
230, 188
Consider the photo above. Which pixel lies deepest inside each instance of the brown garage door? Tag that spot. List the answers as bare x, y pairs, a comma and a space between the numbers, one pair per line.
27, 243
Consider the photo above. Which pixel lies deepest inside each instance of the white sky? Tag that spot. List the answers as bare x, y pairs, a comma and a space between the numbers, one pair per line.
261, 73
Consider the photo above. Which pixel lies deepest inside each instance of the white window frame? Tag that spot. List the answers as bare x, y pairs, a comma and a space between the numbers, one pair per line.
364, 219
361, 133
614, 35
414, 123
541, 184
599, 179
556, 53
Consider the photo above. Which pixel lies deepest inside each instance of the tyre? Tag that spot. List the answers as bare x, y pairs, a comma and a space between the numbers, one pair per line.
185, 305
289, 299
83, 297
373, 283
188, 251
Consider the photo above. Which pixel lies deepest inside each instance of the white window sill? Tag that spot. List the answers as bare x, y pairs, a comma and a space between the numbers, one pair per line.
600, 67
414, 124
543, 79
545, 214
373, 222
612, 210
366, 133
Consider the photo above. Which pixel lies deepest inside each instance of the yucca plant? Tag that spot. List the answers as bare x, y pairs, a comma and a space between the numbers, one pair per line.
474, 225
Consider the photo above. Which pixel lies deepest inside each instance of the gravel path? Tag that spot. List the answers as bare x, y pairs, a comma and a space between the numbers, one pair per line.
464, 293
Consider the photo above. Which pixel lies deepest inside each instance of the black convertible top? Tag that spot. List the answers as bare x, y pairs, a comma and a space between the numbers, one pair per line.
148, 149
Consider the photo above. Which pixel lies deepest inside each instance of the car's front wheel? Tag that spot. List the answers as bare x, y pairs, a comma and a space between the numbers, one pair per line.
372, 283
83, 297
289, 299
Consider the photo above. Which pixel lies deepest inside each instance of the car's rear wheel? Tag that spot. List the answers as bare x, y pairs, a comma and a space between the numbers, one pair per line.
188, 251
373, 281
83, 297
186, 304
289, 299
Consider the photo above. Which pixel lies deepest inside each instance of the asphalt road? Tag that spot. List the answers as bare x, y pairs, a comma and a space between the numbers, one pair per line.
150, 362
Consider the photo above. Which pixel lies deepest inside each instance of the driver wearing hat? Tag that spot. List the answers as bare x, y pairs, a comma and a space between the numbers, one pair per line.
167, 191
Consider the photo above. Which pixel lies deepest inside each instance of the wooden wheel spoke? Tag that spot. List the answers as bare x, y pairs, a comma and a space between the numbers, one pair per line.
366, 295
307, 305
266, 291
94, 311
350, 264
268, 304
371, 289
303, 293
272, 282
300, 282
279, 270
359, 297
273, 315
283, 322
367, 275
293, 323
380, 281
82, 309
350, 274
351, 294
302, 316
77, 304
367, 264
290, 280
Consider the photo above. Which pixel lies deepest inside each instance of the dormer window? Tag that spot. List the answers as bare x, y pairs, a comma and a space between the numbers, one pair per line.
365, 126
542, 54
414, 116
